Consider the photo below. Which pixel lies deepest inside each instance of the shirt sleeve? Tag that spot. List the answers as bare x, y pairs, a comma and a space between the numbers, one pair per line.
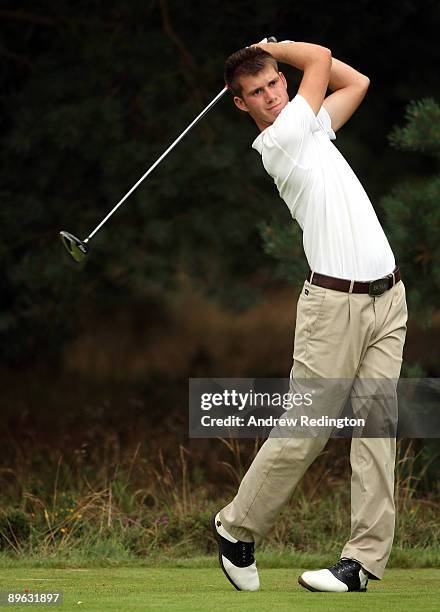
326, 123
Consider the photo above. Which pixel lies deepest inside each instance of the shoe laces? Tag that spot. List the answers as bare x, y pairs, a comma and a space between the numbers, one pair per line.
345, 564
245, 552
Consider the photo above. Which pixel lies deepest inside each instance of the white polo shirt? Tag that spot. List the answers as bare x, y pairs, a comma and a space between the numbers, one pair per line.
342, 235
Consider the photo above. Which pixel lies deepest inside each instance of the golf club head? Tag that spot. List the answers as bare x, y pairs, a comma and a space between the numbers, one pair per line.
74, 246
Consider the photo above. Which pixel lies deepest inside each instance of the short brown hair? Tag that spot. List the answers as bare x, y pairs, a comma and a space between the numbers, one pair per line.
248, 61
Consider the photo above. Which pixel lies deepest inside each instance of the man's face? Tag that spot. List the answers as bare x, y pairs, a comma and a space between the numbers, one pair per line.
264, 96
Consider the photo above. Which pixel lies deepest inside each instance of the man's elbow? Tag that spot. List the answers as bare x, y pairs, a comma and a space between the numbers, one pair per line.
325, 53
364, 81
325, 58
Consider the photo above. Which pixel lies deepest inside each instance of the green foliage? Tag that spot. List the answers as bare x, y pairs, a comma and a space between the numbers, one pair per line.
413, 213
422, 129
14, 529
103, 96
137, 506
282, 240
91, 95
412, 370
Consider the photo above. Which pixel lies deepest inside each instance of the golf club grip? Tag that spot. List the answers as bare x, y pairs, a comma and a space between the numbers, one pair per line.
272, 39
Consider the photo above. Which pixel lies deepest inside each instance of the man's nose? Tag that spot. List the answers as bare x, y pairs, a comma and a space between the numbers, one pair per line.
269, 95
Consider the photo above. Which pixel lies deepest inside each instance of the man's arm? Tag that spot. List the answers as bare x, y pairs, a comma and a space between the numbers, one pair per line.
315, 62
349, 87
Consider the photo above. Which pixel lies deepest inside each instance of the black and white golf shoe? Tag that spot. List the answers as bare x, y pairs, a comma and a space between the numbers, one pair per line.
236, 559
346, 575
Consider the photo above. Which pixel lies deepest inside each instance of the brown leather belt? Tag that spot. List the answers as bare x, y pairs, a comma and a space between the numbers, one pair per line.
374, 288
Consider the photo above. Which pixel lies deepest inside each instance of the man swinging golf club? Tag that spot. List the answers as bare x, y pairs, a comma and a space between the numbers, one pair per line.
351, 314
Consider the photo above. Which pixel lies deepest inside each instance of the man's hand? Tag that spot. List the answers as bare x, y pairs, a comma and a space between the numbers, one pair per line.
349, 85
261, 44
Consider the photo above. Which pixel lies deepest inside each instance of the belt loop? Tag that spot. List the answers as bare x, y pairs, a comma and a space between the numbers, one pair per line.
351, 286
394, 278
311, 277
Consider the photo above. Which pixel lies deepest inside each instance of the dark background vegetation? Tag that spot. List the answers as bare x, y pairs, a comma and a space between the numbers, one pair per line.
197, 274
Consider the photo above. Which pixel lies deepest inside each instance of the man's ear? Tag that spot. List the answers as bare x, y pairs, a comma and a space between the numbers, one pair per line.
240, 103
283, 78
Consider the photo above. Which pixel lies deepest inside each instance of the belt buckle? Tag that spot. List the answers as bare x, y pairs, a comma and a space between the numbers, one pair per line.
377, 287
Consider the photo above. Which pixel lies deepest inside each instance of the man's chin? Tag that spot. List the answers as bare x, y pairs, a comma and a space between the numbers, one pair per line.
277, 109
274, 114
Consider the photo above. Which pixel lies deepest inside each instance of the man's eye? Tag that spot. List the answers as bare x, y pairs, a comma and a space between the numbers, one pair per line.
256, 92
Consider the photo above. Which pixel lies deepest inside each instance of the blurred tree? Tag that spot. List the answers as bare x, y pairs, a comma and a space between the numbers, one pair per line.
413, 212
93, 99
92, 93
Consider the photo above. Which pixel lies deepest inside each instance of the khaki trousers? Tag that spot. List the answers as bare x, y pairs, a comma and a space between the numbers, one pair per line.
337, 336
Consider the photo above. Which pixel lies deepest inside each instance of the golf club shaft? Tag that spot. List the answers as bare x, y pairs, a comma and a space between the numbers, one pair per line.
157, 162
164, 154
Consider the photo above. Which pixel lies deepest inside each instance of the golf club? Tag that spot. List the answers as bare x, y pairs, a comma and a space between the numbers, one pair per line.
77, 248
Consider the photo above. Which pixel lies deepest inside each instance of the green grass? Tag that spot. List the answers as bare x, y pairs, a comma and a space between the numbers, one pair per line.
111, 555
181, 589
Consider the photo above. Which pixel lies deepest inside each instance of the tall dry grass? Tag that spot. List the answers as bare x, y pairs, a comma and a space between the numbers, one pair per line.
144, 507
